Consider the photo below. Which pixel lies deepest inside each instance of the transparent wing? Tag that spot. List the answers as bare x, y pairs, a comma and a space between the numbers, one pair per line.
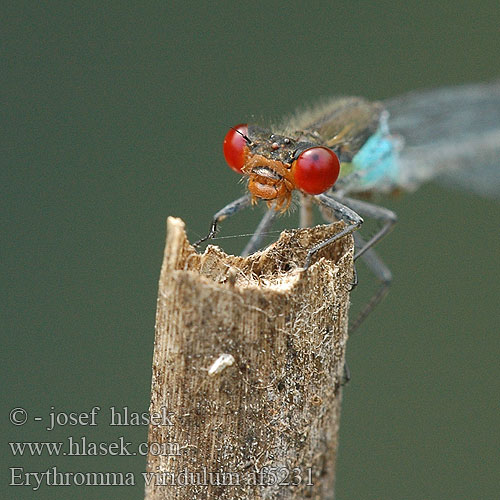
452, 134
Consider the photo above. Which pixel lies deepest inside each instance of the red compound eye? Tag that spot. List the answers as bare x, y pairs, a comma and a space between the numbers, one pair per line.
316, 170
234, 146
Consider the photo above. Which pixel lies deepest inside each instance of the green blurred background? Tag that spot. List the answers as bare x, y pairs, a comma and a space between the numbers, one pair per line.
114, 115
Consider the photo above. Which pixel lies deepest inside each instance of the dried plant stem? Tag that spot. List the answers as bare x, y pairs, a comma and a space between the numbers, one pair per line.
247, 370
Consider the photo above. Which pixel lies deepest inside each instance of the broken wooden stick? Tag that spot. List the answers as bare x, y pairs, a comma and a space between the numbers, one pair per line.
247, 369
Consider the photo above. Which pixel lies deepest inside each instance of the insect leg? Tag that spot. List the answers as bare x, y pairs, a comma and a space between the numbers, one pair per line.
230, 209
340, 212
364, 250
386, 216
384, 275
381, 272
264, 225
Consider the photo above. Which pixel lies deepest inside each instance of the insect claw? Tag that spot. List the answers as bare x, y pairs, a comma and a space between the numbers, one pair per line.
308, 262
354, 283
209, 236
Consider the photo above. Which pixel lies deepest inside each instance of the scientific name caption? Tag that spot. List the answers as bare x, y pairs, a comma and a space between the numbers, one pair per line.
114, 417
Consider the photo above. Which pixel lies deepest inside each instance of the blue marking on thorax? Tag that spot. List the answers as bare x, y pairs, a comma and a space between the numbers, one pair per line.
376, 163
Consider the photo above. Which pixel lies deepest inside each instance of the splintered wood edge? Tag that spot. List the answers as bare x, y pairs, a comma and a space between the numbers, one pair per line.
278, 266
176, 239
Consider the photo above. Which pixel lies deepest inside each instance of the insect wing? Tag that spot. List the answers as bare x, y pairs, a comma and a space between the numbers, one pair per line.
452, 134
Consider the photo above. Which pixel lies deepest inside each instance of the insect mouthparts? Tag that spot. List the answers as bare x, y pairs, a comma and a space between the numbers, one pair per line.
266, 172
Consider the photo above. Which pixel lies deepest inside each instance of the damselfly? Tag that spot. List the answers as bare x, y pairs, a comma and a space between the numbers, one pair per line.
337, 152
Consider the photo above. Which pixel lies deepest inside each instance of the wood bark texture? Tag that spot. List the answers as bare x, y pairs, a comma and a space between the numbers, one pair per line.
247, 369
